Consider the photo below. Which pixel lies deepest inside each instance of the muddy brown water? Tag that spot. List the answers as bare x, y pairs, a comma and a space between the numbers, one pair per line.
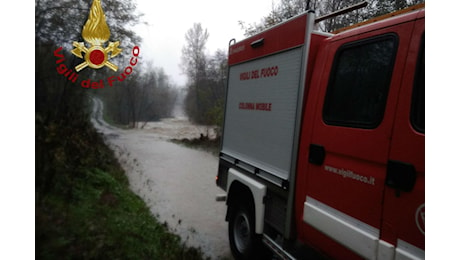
177, 183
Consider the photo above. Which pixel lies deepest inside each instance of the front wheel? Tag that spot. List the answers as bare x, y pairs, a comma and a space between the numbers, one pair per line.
244, 242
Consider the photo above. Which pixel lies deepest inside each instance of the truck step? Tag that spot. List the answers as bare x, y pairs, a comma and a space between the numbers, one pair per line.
277, 249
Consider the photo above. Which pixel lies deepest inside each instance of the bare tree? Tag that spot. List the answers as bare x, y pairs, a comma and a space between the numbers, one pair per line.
194, 66
206, 75
193, 53
147, 97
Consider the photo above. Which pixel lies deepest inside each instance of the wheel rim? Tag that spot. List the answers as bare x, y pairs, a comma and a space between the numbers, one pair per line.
242, 232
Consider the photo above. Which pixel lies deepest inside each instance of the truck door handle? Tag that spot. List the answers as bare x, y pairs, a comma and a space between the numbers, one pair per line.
400, 176
317, 154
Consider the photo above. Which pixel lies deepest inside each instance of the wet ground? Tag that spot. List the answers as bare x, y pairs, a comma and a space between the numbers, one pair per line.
176, 182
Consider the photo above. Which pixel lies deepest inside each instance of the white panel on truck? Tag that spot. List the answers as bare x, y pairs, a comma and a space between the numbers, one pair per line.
260, 114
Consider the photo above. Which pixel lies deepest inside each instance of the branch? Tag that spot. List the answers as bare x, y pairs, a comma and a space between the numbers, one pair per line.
59, 7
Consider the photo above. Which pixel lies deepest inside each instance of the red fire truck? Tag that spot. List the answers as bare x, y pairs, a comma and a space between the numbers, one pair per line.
323, 141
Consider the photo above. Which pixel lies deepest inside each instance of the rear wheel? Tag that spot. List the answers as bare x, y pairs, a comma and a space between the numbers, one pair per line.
244, 242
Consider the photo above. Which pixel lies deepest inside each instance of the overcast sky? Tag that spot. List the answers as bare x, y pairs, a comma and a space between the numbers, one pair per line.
169, 21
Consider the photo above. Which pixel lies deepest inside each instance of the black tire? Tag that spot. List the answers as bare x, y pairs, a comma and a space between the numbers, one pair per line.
244, 242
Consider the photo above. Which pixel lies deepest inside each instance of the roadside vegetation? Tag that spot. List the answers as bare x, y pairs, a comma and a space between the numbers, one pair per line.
86, 211
84, 208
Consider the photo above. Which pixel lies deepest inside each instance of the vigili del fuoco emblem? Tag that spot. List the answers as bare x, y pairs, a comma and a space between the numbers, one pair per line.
96, 32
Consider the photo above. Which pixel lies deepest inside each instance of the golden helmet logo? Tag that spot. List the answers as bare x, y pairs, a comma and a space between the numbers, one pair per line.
96, 32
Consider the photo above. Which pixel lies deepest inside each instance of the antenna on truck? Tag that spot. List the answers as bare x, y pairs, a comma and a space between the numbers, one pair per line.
308, 5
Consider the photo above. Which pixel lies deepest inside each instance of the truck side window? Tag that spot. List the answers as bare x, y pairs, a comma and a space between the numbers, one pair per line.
418, 96
359, 82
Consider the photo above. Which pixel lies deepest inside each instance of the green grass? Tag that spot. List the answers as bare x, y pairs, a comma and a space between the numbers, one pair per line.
84, 208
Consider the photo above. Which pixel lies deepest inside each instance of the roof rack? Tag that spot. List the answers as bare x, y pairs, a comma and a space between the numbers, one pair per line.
342, 11
382, 17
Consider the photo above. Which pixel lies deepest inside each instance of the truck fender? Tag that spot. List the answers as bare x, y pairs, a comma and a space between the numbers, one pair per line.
258, 191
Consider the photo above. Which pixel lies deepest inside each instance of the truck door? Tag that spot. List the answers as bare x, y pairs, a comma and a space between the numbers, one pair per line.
404, 199
351, 138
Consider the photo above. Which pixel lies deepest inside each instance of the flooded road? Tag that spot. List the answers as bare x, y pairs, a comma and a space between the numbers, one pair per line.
177, 183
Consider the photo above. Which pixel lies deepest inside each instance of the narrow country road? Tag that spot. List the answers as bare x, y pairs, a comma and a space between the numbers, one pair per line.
177, 183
